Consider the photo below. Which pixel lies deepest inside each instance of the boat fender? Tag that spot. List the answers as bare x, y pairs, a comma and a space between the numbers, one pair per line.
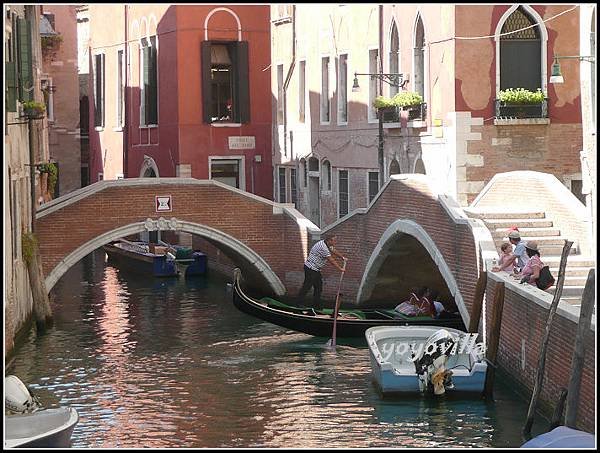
19, 398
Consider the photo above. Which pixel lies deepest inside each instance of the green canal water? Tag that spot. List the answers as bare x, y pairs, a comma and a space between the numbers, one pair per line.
172, 363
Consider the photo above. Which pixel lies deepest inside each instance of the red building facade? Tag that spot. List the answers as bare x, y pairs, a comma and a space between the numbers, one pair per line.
181, 91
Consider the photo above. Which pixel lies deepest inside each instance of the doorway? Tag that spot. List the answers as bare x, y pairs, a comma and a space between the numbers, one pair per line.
314, 200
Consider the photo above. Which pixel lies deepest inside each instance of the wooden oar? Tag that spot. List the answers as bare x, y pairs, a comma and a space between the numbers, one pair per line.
337, 305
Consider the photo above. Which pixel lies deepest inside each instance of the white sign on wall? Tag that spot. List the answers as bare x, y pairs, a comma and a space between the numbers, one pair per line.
163, 203
242, 142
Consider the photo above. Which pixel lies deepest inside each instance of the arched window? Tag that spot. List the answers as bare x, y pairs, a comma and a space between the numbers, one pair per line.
420, 166
419, 58
394, 168
327, 174
313, 164
394, 56
520, 52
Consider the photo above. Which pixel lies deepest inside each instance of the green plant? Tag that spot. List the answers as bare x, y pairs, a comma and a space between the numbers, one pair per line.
382, 102
407, 99
51, 44
521, 96
28, 245
34, 109
52, 171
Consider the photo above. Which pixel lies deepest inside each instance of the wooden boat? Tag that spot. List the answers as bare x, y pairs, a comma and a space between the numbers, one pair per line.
412, 359
350, 322
42, 429
158, 259
564, 438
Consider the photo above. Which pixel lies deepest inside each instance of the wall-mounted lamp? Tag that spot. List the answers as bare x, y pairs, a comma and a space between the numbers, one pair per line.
556, 76
396, 80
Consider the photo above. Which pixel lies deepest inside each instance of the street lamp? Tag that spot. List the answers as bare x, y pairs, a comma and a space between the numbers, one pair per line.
556, 76
396, 80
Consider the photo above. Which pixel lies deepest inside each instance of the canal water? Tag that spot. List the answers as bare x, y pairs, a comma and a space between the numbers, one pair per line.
172, 363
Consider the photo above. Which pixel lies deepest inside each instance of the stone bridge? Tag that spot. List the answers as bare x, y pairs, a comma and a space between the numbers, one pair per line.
408, 236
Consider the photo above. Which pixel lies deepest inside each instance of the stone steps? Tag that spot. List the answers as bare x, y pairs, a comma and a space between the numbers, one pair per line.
500, 214
568, 291
519, 223
526, 232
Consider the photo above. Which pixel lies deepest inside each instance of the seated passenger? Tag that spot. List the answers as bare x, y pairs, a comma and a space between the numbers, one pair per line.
507, 258
418, 304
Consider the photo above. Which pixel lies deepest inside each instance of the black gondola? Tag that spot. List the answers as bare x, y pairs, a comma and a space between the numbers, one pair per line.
350, 323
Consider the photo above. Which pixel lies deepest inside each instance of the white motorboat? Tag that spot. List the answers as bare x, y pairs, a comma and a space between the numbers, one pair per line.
44, 428
416, 359
27, 424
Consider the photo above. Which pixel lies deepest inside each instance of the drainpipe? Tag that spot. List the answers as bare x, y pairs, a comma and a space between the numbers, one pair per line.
125, 85
288, 78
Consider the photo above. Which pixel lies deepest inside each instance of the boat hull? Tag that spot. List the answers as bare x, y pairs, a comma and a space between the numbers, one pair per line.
156, 265
49, 428
393, 372
322, 326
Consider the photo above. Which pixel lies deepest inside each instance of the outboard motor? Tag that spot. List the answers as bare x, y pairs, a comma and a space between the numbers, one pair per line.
19, 399
430, 365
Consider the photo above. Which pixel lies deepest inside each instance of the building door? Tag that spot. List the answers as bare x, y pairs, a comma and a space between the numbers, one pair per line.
314, 200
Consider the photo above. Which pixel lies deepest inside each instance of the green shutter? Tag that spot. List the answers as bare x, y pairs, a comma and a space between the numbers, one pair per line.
242, 112
206, 84
152, 107
11, 86
25, 60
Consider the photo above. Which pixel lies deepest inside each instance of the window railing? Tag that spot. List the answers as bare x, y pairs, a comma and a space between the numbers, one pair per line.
417, 112
504, 110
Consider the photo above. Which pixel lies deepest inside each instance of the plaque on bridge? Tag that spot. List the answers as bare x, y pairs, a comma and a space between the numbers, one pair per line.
164, 203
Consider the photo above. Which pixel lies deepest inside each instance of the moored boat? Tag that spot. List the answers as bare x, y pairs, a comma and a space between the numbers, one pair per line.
139, 257
350, 322
412, 359
44, 428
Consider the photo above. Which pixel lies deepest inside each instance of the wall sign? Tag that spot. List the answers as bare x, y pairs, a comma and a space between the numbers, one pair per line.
164, 203
247, 142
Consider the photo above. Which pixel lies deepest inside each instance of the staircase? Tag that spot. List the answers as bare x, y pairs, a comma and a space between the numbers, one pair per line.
535, 226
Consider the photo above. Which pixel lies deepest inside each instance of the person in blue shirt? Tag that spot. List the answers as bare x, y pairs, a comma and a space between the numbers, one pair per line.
515, 239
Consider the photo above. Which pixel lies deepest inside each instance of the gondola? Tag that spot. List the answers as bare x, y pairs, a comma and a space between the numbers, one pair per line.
350, 322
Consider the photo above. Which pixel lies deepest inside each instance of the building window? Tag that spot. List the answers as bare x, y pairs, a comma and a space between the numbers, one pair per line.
327, 174
100, 176
227, 171
293, 190
313, 164
281, 185
120, 88
85, 176
419, 58
149, 91
342, 193
302, 91
279, 94
373, 53
373, 184
304, 172
325, 101
84, 116
343, 89
99, 90
520, 53
225, 89
394, 167
394, 56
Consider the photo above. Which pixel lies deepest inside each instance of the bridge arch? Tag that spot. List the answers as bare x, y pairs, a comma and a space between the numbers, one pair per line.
383, 248
249, 255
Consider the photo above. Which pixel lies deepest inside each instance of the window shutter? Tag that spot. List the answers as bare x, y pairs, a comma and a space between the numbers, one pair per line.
11, 86
25, 61
242, 112
97, 90
152, 107
206, 86
103, 89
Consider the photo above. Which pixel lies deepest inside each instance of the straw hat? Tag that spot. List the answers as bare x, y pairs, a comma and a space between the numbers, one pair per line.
532, 245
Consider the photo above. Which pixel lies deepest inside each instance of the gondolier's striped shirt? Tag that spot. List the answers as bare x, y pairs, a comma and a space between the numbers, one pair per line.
317, 256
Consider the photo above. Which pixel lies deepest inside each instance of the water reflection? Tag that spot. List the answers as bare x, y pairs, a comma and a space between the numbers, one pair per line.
171, 363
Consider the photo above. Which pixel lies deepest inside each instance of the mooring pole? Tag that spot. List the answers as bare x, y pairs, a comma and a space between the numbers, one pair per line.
542, 360
492, 351
585, 318
478, 302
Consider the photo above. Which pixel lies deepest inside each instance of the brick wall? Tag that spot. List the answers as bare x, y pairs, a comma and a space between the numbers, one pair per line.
525, 320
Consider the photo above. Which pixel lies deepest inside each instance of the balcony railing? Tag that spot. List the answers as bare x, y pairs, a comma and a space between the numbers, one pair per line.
415, 112
504, 110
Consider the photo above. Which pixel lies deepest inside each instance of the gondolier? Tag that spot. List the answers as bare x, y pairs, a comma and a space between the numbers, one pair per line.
319, 255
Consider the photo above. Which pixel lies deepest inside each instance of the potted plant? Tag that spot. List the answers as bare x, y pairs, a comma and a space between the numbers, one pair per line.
521, 103
410, 101
387, 109
50, 45
49, 171
34, 110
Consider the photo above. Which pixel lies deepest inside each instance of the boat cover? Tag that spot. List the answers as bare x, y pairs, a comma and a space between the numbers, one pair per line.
562, 437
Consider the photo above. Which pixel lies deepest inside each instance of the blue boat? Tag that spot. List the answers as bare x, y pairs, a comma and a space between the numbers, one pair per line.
562, 437
413, 359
